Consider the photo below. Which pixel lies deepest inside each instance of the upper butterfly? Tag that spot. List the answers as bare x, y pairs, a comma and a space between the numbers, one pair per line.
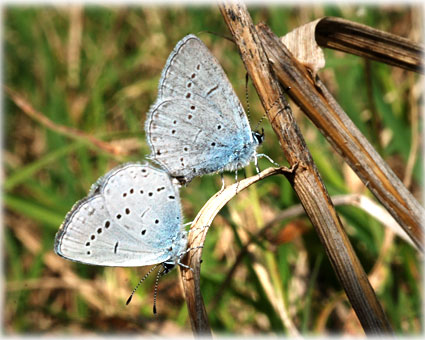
131, 217
197, 124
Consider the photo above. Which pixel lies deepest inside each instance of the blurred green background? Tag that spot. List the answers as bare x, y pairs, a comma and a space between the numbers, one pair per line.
96, 69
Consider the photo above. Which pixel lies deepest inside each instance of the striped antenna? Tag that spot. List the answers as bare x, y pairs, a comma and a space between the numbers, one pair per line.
264, 116
160, 273
246, 96
140, 282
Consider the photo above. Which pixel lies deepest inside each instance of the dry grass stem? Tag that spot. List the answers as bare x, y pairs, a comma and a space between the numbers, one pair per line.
376, 211
319, 105
275, 297
199, 229
351, 37
306, 180
74, 45
61, 129
360, 201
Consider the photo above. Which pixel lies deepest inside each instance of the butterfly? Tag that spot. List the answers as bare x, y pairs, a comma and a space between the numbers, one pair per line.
197, 125
131, 217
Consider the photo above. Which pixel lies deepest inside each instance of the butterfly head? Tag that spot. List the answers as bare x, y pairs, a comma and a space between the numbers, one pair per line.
167, 267
258, 137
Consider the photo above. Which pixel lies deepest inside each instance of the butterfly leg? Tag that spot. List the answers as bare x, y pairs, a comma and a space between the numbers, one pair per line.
256, 163
222, 181
265, 156
184, 266
237, 183
182, 254
190, 249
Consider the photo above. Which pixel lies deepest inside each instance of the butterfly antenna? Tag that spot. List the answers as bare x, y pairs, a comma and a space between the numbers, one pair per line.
265, 114
246, 97
160, 273
140, 282
217, 35
259, 122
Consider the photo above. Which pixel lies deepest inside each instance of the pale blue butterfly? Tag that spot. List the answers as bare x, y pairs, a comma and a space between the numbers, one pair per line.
197, 124
131, 217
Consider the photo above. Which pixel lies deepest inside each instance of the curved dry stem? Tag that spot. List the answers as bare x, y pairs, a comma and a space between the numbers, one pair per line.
29, 110
197, 234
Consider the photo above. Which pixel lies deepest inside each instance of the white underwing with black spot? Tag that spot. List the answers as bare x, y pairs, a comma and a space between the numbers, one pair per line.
131, 217
197, 124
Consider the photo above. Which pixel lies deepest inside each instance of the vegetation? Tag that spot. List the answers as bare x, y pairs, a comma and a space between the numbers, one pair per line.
94, 71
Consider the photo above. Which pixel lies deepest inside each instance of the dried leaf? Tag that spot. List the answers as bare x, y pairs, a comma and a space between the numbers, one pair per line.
302, 44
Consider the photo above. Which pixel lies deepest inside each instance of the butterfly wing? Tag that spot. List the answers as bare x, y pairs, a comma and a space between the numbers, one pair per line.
116, 225
192, 71
194, 142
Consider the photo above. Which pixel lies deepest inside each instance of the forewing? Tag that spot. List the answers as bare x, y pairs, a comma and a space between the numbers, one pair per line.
192, 72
